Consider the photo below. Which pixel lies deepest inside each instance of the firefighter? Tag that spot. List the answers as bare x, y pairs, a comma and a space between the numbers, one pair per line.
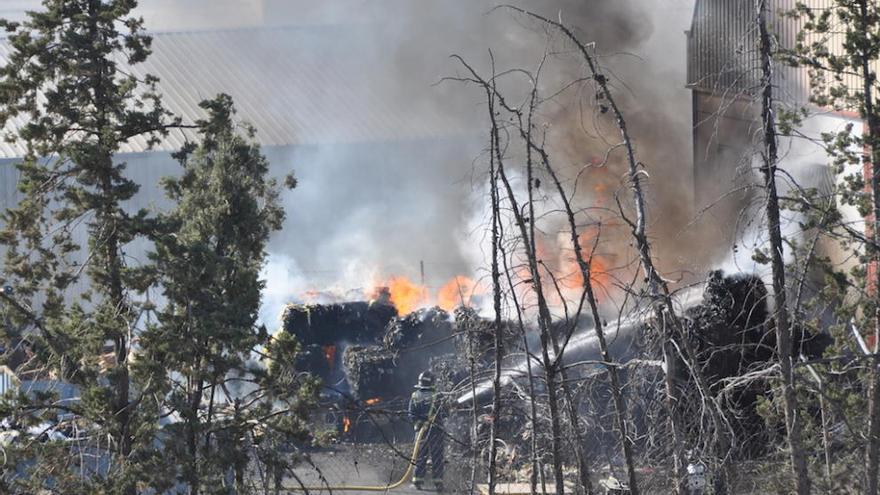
425, 411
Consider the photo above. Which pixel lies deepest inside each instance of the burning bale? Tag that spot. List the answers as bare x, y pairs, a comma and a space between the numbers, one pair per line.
365, 348
731, 333
728, 329
409, 344
329, 324
369, 370
423, 326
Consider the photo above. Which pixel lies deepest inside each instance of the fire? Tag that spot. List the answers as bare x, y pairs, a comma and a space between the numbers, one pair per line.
346, 424
406, 295
599, 267
311, 296
458, 291
330, 355
373, 401
599, 275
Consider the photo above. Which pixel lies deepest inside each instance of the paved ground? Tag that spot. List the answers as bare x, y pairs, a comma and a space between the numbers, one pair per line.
348, 465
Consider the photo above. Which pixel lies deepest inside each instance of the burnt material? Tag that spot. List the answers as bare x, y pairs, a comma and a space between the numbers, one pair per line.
370, 371
732, 333
728, 329
330, 324
474, 335
424, 327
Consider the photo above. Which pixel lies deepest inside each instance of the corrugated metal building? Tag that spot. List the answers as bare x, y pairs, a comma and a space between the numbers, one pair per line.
292, 96
723, 72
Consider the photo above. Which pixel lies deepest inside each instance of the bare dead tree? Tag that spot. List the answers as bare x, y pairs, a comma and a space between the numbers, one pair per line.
780, 315
523, 215
544, 317
499, 326
658, 289
472, 369
558, 351
537, 471
525, 128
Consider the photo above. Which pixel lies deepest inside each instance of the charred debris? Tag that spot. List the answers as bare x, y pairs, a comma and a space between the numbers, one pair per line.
368, 356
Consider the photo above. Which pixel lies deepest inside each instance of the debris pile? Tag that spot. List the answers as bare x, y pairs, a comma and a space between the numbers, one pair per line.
364, 349
732, 334
728, 329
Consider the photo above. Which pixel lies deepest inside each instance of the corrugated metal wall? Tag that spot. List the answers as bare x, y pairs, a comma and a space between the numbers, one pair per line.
8, 380
723, 56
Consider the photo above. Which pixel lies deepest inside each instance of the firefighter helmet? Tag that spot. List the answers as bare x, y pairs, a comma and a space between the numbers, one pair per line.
426, 380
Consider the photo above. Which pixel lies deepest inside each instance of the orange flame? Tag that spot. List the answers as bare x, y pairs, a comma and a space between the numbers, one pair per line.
457, 292
599, 267
599, 275
330, 355
407, 296
373, 401
346, 424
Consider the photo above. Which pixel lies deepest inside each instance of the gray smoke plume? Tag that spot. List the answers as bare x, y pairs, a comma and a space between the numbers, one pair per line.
373, 203
366, 212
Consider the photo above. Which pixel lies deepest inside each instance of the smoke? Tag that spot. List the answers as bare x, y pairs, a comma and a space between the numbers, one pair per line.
399, 199
803, 166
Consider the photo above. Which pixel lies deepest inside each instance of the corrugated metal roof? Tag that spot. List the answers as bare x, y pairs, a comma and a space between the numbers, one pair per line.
295, 85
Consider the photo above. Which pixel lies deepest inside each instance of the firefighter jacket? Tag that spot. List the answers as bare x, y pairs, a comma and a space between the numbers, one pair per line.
424, 404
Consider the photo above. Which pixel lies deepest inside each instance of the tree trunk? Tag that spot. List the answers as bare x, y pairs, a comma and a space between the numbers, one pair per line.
781, 317
106, 238
499, 341
195, 401
872, 158
533, 407
475, 444
544, 323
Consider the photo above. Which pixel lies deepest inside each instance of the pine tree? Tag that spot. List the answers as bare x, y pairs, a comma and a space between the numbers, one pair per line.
209, 250
63, 92
839, 45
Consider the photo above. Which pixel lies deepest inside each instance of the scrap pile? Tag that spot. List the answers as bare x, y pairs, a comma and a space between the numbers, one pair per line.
409, 342
474, 335
325, 330
420, 327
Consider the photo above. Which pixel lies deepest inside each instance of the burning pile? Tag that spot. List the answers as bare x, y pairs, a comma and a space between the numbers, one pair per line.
369, 370
365, 348
326, 324
419, 327
408, 342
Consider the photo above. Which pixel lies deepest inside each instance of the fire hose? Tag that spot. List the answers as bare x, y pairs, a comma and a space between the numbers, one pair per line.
377, 488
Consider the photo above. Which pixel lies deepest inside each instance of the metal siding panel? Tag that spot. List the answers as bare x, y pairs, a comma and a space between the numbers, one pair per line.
291, 95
